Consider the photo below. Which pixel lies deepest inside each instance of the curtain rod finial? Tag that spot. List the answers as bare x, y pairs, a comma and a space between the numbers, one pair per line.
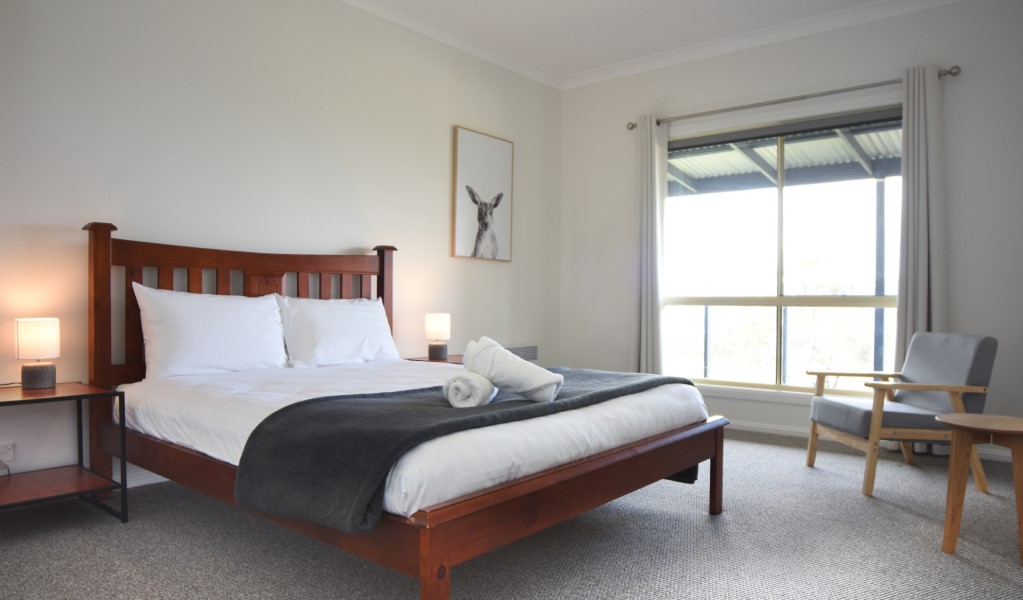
631, 125
954, 71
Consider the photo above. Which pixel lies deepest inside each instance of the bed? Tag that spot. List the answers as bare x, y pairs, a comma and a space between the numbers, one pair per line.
426, 541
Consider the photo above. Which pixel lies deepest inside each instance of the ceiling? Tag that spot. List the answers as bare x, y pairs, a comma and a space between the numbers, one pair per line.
570, 43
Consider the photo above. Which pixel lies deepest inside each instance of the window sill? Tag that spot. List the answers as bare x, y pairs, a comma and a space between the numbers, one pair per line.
755, 395
794, 398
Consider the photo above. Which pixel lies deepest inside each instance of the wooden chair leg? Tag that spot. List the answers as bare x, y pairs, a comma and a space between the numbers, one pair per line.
979, 479
811, 448
873, 442
907, 452
871, 469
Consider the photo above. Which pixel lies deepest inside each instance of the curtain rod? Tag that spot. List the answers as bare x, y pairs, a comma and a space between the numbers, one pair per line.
953, 71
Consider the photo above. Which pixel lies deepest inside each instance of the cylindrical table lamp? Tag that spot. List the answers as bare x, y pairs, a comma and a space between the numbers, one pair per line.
37, 339
438, 329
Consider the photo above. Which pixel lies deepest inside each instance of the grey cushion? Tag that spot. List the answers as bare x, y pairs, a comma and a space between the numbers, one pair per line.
948, 359
852, 415
938, 358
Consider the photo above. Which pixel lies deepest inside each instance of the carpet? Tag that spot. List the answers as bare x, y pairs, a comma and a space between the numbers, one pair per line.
787, 531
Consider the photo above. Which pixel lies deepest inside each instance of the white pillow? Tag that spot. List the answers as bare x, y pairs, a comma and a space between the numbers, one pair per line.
331, 332
189, 334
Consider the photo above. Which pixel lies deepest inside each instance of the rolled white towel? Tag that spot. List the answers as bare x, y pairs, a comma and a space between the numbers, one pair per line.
509, 372
469, 389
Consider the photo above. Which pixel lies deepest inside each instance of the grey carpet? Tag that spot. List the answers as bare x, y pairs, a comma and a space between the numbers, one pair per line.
787, 532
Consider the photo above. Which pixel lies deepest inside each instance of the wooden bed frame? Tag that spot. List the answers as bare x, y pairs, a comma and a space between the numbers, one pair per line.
433, 540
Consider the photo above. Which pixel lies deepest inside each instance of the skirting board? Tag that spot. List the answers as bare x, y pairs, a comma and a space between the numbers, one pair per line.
989, 452
138, 477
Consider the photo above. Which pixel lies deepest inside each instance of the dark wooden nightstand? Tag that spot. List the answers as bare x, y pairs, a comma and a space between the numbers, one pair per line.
71, 481
455, 359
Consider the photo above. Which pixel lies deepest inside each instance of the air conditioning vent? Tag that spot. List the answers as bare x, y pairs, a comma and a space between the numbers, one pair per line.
530, 353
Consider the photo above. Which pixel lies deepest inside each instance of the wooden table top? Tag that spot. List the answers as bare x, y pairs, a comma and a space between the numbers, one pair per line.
61, 391
981, 422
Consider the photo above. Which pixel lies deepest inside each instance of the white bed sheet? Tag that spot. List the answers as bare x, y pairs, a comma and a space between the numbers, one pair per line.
215, 414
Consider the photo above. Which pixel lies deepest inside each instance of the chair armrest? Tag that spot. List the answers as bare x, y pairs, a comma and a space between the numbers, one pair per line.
878, 374
818, 388
955, 392
927, 387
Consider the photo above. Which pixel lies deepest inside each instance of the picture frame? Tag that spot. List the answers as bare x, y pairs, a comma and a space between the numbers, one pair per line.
481, 210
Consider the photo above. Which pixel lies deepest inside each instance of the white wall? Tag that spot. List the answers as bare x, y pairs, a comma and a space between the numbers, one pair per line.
305, 126
984, 150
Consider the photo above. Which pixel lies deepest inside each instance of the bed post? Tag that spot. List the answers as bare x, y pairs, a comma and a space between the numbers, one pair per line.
717, 466
99, 339
385, 280
434, 564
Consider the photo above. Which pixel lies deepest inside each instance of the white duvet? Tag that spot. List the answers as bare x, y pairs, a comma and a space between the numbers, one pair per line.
215, 414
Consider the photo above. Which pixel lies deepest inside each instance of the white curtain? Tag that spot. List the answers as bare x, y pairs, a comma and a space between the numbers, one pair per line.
653, 160
922, 269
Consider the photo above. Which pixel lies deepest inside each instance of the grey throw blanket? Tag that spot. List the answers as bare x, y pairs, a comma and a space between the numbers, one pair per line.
325, 460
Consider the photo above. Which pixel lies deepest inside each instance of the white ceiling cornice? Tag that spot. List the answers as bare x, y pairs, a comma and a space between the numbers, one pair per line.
753, 39
432, 28
442, 33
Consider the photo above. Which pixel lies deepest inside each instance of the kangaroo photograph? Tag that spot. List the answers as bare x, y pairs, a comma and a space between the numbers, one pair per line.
482, 198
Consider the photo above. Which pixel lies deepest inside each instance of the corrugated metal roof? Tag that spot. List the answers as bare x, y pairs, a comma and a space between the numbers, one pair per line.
726, 162
821, 149
883, 144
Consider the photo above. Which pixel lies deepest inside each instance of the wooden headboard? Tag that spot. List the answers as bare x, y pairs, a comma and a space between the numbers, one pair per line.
204, 270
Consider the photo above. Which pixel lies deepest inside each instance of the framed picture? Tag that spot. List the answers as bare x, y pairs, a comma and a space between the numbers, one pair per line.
482, 196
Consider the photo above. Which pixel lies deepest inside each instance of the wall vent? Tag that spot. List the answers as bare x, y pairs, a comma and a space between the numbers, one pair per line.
530, 353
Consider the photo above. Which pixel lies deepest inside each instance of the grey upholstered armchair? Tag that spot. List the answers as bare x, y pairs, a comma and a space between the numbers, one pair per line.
943, 373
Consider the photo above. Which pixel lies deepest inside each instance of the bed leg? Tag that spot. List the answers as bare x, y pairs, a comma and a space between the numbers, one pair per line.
716, 467
432, 588
434, 571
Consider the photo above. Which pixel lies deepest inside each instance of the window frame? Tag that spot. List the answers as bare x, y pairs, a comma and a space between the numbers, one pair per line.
878, 301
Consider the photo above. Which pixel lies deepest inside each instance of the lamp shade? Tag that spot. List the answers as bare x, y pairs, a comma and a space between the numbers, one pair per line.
438, 326
37, 339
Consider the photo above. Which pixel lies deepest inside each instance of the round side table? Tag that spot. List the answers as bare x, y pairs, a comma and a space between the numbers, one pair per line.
969, 429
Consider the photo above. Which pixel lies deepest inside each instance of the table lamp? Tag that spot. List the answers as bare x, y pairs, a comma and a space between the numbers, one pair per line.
37, 339
438, 330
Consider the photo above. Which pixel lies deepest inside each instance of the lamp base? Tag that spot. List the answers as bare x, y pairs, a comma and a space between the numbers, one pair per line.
38, 376
438, 351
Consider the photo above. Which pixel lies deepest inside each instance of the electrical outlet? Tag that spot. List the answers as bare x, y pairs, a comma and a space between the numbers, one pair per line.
6, 451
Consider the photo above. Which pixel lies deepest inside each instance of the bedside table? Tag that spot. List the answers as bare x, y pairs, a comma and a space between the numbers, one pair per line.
455, 359
71, 481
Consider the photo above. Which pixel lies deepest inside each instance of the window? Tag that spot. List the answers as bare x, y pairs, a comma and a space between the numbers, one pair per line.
781, 251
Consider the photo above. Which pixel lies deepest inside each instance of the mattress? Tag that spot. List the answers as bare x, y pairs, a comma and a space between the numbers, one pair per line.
215, 413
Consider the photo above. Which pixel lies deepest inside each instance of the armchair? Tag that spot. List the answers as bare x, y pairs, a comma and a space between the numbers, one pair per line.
943, 373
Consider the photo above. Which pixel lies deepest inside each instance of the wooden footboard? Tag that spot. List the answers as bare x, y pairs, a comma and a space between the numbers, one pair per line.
429, 543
